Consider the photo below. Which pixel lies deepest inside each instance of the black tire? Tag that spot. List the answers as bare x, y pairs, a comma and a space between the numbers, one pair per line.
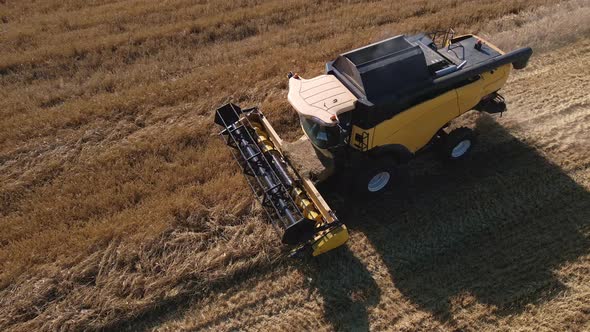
457, 144
376, 178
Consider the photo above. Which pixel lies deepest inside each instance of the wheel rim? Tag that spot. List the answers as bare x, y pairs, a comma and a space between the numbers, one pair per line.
461, 148
378, 182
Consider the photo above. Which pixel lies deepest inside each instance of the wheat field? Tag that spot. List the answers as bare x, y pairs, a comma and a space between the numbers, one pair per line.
120, 208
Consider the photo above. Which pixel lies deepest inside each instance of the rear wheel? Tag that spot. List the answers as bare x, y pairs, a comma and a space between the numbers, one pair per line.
377, 178
457, 144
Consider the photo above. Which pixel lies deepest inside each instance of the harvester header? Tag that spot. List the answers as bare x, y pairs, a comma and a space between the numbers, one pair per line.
293, 205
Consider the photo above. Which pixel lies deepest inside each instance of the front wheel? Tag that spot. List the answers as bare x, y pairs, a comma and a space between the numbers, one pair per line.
457, 144
377, 178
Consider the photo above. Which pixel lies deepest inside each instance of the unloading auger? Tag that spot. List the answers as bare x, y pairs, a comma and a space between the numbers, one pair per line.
296, 209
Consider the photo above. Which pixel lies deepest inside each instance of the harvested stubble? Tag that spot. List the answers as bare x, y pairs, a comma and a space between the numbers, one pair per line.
305, 160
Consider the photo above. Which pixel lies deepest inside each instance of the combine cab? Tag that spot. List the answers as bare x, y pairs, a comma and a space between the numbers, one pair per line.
375, 108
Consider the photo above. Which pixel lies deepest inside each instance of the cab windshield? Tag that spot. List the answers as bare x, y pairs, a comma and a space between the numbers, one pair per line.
320, 135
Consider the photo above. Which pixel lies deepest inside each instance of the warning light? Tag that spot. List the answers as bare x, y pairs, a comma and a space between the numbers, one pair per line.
478, 44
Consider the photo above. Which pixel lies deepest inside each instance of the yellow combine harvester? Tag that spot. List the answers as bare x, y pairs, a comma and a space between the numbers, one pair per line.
375, 108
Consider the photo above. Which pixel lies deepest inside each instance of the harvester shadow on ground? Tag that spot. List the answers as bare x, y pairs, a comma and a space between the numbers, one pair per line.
346, 286
492, 229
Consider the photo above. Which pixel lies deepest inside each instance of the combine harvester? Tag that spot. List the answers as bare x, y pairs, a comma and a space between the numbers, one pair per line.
375, 108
